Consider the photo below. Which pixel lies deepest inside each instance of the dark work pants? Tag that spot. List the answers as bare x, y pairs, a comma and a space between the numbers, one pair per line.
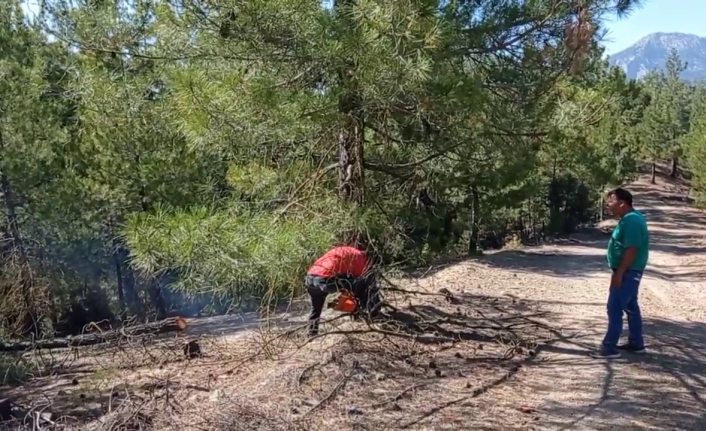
318, 300
319, 288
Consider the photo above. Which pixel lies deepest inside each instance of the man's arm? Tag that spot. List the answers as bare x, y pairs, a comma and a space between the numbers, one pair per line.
628, 258
632, 238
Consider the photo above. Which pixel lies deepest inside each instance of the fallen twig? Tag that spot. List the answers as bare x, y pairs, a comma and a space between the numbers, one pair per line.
167, 384
262, 349
331, 394
475, 393
412, 292
397, 397
300, 379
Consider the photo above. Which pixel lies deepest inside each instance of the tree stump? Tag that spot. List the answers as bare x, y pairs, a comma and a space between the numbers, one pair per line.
6, 410
192, 350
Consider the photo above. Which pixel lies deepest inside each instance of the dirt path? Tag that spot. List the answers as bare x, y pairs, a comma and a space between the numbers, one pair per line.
665, 389
565, 388
368, 382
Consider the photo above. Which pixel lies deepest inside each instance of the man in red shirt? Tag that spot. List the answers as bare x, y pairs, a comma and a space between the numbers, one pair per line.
340, 268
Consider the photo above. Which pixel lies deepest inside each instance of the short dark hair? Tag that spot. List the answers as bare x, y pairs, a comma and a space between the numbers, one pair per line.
622, 195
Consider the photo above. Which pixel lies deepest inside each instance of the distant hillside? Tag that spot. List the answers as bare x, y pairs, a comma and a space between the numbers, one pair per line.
650, 53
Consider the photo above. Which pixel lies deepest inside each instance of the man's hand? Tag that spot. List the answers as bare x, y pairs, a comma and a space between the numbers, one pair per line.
616, 280
628, 259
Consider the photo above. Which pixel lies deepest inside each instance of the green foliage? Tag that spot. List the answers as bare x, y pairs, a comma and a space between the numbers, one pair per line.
667, 116
220, 147
695, 147
239, 251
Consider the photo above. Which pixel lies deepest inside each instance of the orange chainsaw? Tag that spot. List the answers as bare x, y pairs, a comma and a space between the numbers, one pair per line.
345, 303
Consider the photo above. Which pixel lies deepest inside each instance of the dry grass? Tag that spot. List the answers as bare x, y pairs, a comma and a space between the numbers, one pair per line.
456, 352
431, 348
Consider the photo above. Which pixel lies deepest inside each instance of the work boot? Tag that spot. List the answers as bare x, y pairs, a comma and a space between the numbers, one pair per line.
631, 348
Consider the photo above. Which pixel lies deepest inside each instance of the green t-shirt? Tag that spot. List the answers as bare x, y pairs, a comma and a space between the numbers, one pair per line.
630, 232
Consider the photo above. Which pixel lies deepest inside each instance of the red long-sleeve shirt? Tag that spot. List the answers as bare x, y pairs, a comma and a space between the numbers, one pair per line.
340, 261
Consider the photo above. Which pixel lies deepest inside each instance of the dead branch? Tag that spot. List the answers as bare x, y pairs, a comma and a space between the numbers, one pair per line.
424, 339
310, 367
172, 324
475, 393
265, 345
167, 384
412, 292
331, 394
397, 397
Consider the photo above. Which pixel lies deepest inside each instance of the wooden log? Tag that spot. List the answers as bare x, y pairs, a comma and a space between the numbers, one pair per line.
172, 324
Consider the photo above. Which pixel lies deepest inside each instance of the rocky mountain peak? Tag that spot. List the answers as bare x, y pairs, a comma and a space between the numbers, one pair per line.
651, 52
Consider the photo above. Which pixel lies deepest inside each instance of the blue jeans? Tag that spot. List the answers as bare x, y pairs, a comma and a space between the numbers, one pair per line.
624, 299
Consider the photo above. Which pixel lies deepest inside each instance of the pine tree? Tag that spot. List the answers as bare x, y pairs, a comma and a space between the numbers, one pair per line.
27, 153
220, 146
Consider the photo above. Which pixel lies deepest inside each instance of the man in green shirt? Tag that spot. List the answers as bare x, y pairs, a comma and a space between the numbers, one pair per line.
628, 252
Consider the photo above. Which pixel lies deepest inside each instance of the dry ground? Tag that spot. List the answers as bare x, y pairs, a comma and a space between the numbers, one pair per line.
497, 343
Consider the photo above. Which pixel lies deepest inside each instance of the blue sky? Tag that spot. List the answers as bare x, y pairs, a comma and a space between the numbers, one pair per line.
683, 16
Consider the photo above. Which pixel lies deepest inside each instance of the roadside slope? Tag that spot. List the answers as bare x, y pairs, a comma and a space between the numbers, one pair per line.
460, 354
563, 388
665, 389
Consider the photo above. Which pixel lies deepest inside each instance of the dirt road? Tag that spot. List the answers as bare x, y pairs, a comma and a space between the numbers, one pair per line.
252, 379
665, 389
566, 388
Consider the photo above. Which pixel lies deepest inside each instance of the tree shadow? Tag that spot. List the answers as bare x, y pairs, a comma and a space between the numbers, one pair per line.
569, 264
67, 405
495, 338
583, 261
285, 316
666, 388
661, 240
573, 258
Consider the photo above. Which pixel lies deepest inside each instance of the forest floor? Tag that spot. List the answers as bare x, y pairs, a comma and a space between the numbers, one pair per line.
499, 342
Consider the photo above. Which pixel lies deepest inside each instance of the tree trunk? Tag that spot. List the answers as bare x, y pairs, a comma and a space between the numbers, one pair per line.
130, 284
119, 280
172, 324
653, 180
155, 288
473, 240
601, 208
13, 228
351, 178
125, 279
29, 319
5, 241
675, 167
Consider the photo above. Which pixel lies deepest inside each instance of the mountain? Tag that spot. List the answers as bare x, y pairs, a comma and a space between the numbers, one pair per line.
650, 53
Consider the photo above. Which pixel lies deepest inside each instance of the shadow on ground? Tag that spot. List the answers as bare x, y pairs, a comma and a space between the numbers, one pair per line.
582, 264
287, 316
413, 387
668, 391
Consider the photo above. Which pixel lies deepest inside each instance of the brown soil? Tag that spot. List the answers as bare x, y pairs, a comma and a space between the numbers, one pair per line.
499, 343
